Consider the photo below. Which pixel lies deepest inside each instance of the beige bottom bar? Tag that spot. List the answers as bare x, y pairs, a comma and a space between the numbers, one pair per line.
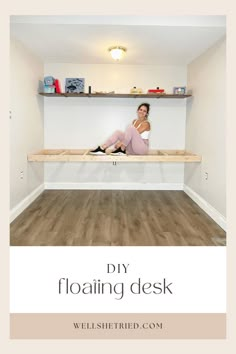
118, 326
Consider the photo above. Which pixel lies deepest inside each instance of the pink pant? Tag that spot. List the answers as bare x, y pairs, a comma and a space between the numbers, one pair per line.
131, 138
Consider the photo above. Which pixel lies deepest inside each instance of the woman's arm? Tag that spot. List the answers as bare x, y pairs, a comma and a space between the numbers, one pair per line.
145, 126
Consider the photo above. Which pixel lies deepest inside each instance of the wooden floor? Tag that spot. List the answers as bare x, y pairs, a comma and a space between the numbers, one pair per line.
115, 218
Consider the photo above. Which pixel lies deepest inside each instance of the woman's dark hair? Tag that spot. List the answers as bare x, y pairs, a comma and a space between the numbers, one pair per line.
147, 105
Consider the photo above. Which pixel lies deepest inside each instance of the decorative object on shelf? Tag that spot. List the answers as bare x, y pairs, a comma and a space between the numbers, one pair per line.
89, 89
136, 90
49, 89
49, 84
57, 86
156, 90
41, 86
117, 52
74, 85
179, 90
49, 80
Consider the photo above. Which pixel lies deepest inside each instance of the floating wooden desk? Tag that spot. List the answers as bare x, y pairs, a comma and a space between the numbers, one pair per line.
74, 155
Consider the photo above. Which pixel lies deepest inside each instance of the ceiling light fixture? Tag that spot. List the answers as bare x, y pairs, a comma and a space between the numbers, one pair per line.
117, 52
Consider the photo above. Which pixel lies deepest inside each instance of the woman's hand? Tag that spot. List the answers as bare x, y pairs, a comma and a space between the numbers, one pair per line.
117, 145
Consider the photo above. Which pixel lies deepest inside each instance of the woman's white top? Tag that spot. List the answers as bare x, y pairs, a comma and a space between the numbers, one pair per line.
145, 134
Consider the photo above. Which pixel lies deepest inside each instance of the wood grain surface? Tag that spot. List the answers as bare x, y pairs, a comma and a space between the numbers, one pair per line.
114, 218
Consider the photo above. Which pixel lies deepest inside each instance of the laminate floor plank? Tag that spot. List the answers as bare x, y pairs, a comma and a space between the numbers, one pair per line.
84, 225
101, 219
119, 220
114, 218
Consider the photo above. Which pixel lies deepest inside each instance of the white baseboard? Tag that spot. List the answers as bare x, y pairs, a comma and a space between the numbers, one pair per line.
115, 186
209, 209
17, 210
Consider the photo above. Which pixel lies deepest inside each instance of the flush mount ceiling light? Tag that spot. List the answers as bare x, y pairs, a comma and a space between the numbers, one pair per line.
117, 52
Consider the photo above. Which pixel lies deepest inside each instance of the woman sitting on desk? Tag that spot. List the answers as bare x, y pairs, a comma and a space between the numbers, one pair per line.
134, 141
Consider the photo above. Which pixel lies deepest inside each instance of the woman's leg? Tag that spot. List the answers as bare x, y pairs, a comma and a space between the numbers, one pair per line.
117, 136
135, 145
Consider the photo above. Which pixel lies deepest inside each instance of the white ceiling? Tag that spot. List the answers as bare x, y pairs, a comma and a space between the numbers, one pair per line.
149, 40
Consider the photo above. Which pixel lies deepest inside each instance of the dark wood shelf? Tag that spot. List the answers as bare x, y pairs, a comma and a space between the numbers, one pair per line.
113, 95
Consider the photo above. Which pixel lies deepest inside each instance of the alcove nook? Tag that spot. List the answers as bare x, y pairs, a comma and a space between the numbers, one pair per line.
179, 185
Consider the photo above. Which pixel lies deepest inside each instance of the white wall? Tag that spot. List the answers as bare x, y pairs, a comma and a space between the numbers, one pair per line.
205, 126
86, 122
26, 124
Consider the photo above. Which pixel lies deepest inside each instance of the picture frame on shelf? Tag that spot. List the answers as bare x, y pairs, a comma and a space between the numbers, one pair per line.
74, 85
179, 90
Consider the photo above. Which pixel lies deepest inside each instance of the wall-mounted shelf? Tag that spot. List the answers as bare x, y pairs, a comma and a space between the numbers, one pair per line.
73, 155
113, 95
